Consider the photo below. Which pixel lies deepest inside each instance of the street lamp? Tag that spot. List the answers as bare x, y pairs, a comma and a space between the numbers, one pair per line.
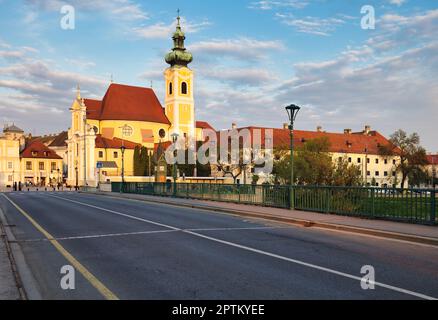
122, 149
174, 139
77, 178
124, 128
433, 171
292, 111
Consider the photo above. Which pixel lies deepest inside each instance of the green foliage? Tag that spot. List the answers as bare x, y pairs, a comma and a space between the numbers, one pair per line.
313, 165
188, 170
143, 160
412, 155
346, 174
137, 165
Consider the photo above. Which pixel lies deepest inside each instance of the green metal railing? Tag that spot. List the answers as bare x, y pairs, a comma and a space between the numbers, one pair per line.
407, 205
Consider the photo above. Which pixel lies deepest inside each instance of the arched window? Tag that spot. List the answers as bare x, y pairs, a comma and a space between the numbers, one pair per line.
184, 88
170, 88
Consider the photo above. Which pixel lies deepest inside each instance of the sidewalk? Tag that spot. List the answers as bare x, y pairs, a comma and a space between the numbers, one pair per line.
8, 286
388, 229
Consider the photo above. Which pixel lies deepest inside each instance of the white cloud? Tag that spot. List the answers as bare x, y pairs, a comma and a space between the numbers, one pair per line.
243, 48
161, 30
239, 76
311, 25
122, 9
389, 82
270, 4
33, 89
397, 2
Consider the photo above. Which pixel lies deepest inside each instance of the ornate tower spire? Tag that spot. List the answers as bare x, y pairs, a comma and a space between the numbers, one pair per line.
179, 56
78, 92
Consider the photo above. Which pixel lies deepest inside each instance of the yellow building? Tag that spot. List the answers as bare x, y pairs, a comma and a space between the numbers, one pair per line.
40, 165
27, 161
358, 148
10, 142
130, 116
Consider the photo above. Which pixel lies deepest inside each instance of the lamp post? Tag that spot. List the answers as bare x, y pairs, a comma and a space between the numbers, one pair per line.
433, 171
292, 111
124, 129
122, 149
77, 178
174, 139
149, 165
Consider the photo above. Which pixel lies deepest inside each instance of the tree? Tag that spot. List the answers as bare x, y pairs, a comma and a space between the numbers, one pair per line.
346, 174
137, 165
412, 154
233, 169
313, 165
143, 160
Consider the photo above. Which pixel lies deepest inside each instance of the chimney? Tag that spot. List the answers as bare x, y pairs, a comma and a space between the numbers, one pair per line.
347, 131
319, 129
233, 125
285, 125
367, 130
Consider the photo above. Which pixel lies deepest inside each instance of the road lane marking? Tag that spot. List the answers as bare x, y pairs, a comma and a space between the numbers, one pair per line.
100, 235
121, 234
262, 252
107, 293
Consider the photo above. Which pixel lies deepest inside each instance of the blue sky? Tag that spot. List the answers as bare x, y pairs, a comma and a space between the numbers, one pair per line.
250, 59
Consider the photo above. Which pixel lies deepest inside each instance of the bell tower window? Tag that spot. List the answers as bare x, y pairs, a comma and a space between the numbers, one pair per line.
184, 88
170, 88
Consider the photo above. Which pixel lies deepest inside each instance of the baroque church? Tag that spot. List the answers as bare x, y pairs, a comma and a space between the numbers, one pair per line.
130, 116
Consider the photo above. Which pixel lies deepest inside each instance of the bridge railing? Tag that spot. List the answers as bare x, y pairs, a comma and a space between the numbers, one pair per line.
406, 205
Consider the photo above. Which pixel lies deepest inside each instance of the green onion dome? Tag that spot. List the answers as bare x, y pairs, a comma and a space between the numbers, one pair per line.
178, 56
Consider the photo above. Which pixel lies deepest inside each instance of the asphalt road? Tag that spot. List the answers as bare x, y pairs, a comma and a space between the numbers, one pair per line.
135, 250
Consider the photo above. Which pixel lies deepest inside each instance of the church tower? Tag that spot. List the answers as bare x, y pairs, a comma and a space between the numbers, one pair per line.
179, 103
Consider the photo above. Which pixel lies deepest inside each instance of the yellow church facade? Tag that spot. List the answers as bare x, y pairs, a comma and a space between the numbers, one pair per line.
104, 133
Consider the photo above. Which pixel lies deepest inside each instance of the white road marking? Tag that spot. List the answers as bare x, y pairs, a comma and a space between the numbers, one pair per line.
262, 252
99, 235
121, 234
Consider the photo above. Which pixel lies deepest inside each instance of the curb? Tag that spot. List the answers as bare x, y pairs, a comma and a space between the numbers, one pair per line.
294, 221
26, 283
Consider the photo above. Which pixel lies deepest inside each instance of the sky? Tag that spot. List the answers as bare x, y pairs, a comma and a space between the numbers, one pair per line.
251, 59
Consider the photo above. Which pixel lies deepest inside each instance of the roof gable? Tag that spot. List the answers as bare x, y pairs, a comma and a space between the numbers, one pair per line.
115, 143
60, 140
122, 102
37, 149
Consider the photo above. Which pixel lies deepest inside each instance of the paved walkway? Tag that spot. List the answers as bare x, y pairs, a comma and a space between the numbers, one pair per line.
8, 287
311, 217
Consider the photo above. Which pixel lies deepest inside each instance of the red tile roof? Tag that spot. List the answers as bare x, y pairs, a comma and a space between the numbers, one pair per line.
203, 125
115, 143
37, 149
432, 159
164, 146
339, 142
122, 102
60, 139
93, 108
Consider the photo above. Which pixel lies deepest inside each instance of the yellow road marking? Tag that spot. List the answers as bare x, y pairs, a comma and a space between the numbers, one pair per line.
107, 293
